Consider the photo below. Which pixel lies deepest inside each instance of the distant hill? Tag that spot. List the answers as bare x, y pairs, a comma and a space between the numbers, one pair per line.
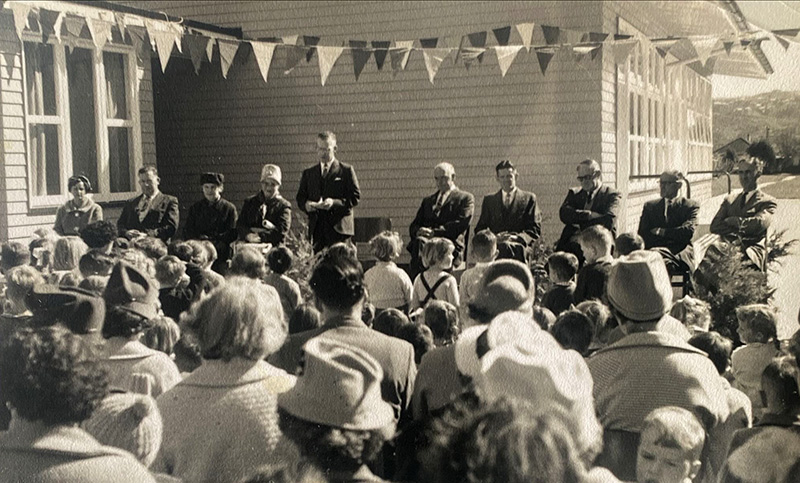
743, 116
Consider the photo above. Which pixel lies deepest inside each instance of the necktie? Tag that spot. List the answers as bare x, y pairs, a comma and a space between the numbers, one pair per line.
324, 170
588, 204
507, 199
144, 207
666, 209
438, 206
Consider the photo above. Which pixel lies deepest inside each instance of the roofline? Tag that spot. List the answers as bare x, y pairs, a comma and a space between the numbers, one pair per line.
755, 48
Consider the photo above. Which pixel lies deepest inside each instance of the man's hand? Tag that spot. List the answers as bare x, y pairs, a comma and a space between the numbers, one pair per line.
252, 238
425, 232
311, 206
325, 204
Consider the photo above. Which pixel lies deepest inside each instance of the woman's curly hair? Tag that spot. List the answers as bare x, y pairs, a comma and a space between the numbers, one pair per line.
51, 375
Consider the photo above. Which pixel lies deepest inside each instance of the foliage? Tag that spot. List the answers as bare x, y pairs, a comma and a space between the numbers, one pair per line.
304, 258
788, 143
777, 248
537, 254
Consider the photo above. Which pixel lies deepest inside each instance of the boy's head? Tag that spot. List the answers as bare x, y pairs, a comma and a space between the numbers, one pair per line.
600, 316
716, 346
279, 260
153, 247
562, 267
199, 253
13, 254
211, 252
442, 318
99, 234
96, 262
248, 262
757, 323
779, 386
95, 284
573, 330
596, 242
544, 317
389, 321
436, 251
484, 246
19, 281
694, 313
169, 270
305, 317
68, 252
671, 445
386, 245
627, 243
182, 250
419, 336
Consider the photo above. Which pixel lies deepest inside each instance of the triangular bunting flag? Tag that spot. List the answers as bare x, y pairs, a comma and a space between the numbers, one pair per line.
10, 58
572, 37
294, 55
358, 49
100, 31
433, 60
787, 32
784, 43
704, 47
263, 52
471, 54
210, 48
152, 27
552, 35
502, 35
505, 56
622, 49
728, 45
585, 48
137, 40
381, 50
165, 41
399, 55
227, 51
197, 44
47, 23
478, 40
119, 19
178, 32
74, 25
526, 32
429, 43
327, 56
21, 11
596, 51
544, 56
663, 46
597, 37
290, 39
310, 41
622, 37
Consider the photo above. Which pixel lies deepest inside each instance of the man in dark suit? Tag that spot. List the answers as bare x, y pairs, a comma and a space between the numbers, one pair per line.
152, 213
446, 213
667, 224
511, 214
592, 204
328, 193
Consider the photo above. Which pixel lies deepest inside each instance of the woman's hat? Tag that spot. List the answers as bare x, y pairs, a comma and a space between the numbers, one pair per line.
271, 171
80, 311
131, 290
212, 178
505, 285
638, 286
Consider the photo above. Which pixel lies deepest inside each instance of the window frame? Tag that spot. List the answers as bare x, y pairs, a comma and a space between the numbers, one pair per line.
101, 192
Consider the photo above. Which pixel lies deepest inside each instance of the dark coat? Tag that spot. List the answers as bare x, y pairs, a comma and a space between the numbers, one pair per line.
214, 221
679, 225
522, 218
603, 212
452, 221
341, 185
278, 211
754, 216
161, 220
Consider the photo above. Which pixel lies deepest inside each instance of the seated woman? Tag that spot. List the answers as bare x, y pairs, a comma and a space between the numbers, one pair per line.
52, 380
266, 216
75, 214
221, 422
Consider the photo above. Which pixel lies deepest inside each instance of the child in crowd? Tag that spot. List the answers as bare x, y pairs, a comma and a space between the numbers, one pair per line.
162, 335
95, 284
596, 243
573, 330
279, 260
19, 281
100, 235
671, 446
153, 247
95, 262
758, 330
484, 251
694, 313
175, 296
442, 318
181, 249
14, 254
139, 260
213, 279
66, 258
603, 322
561, 268
389, 321
419, 336
388, 285
305, 317
544, 317
627, 243
435, 283
248, 262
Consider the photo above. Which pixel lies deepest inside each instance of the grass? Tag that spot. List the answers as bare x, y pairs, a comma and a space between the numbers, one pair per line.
785, 190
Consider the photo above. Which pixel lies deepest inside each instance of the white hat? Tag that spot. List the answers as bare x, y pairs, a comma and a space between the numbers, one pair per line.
271, 171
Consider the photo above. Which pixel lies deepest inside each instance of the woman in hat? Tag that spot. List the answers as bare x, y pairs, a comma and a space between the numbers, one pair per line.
266, 216
213, 218
78, 212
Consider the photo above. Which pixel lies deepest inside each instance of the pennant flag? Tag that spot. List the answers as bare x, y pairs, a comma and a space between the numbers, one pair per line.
152, 27
622, 50
477, 39
663, 46
552, 35
596, 51
399, 55
310, 41
360, 54
433, 60
293, 57
263, 52
210, 48
137, 40
622, 37
21, 11
571, 37
165, 41
502, 35
74, 25
290, 39
505, 56
585, 48
227, 51
100, 31
728, 45
597, 36
327, 56
119, 19
526, 32
787, 32
471, 54
429, 43
544, 56
704, 47
10, 60
381, 50
784, 43
47, 22
197, 44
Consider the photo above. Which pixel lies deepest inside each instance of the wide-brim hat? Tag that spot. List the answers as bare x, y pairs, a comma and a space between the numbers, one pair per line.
81, 311
639, 287
131, 290
339, 386
212, 178
271, 171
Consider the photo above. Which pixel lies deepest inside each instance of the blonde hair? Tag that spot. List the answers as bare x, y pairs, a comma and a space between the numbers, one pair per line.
169, 269
68, 252
386, 245
676, 428
435, 250
694, 313
760, 318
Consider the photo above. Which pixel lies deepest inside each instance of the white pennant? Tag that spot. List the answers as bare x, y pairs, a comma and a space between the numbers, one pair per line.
57, 25
526, 32
210, 48
506, 55
327, 57
263, 52
178, 32
290, 39
704, 47
21, 11
100, 31
164, 43
227, 52
433, 60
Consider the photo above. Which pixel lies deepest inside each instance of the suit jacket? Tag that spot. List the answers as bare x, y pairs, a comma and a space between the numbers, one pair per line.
521, 218
755, 217
341, 185
161, 220
603, 212
278, 211
453, 219
679, 225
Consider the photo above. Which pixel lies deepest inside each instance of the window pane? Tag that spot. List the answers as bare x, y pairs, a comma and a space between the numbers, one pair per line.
119, 163
632, 114
45, 174
117, 107
81, 113
39, 79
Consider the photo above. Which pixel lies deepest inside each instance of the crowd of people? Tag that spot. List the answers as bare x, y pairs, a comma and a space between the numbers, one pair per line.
128, 354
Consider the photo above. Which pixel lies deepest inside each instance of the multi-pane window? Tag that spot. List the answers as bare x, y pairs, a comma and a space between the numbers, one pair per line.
82, 118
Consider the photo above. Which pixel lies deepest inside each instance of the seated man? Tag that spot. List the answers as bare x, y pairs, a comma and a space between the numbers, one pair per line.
152, 213
511, 214
667, 225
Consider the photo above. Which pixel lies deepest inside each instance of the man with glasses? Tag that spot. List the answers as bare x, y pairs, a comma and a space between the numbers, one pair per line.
667, 224
591, 204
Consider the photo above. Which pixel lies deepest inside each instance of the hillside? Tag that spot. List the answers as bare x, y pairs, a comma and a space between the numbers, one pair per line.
743, 116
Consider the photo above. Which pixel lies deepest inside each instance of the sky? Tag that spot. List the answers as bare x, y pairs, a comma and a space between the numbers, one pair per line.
770, 15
